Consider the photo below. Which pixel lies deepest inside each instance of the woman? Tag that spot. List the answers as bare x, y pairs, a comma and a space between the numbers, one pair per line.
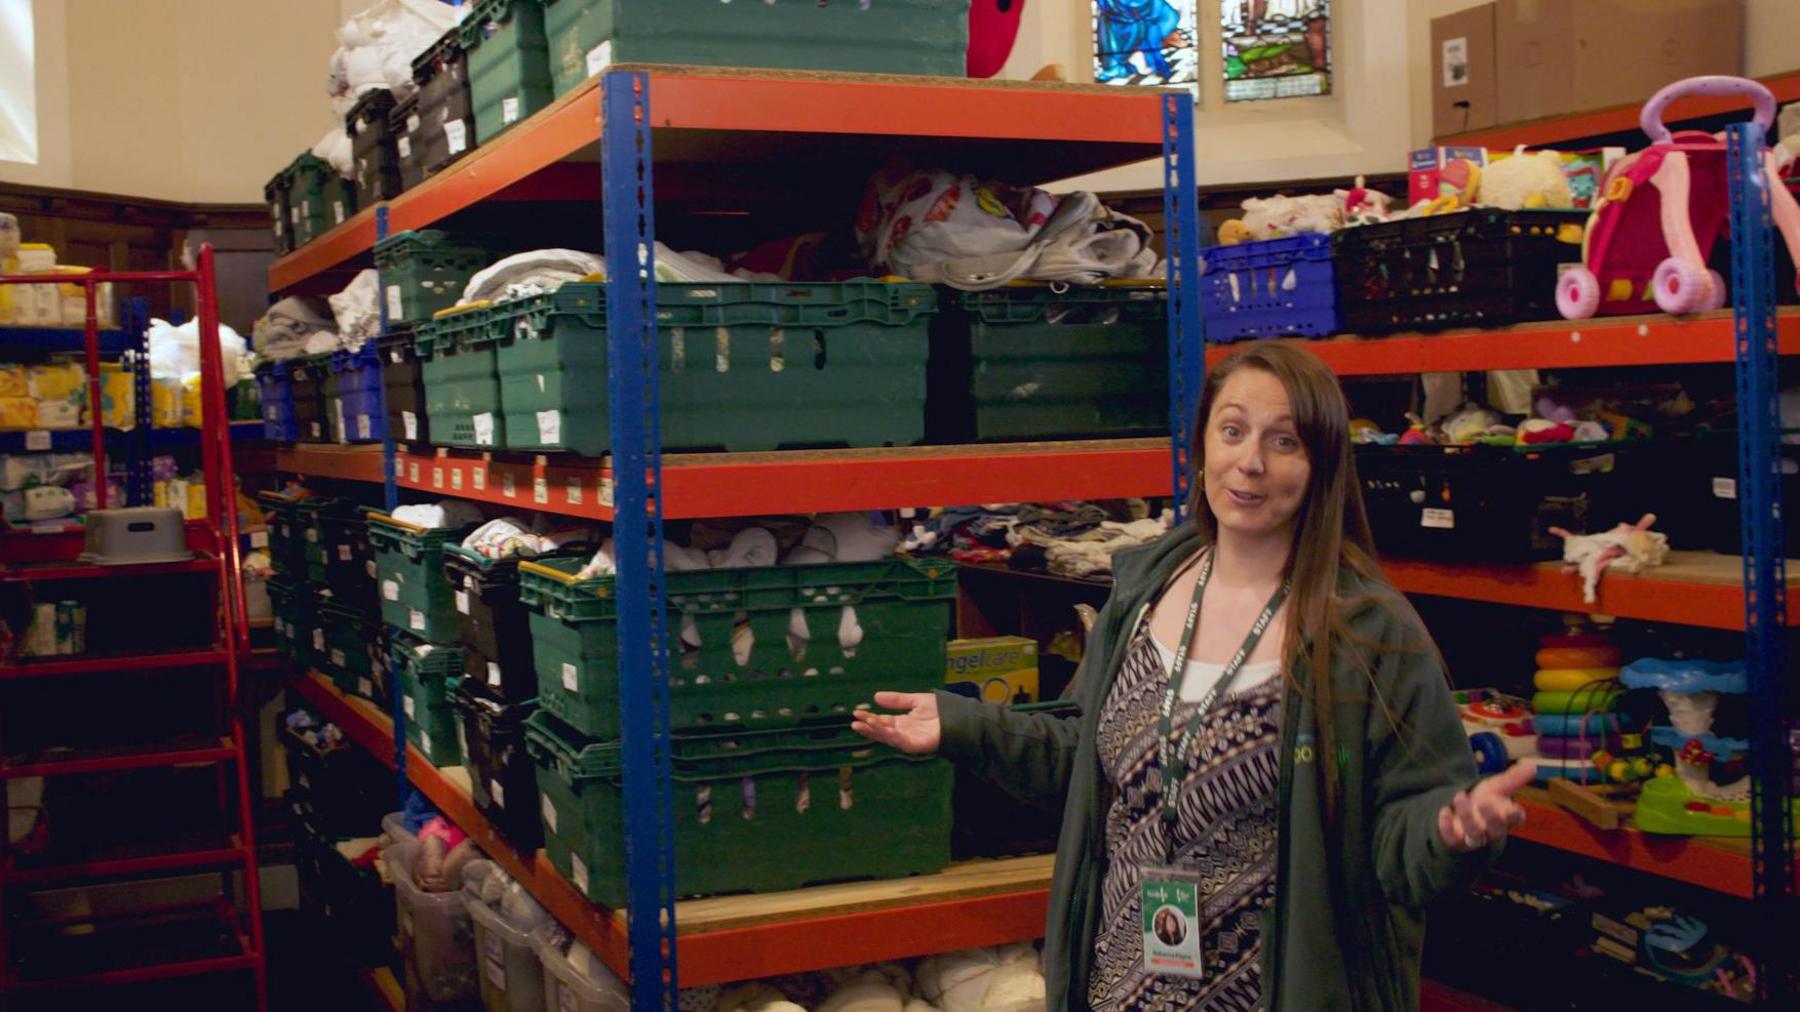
1327, 790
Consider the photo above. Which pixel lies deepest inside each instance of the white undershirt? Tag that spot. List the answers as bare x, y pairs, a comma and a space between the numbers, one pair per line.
1201, 676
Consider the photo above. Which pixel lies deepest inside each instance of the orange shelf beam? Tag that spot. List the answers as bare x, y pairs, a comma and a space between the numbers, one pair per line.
698, 101
1719, 863
1554, 129
1693, 588
744, 484
1560, 344
756, 944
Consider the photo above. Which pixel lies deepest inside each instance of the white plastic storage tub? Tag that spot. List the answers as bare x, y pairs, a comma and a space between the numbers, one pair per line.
436, 935
511, 979
566, 989
394, 825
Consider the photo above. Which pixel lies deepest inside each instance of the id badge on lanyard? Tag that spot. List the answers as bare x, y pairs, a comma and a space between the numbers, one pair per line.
1170, 898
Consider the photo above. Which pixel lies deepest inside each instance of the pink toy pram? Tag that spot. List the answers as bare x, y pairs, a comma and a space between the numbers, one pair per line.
1660, 211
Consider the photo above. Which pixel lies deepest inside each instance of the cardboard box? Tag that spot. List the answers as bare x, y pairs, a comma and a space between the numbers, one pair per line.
1563, 56
999, 669
1425, 164
1464, 79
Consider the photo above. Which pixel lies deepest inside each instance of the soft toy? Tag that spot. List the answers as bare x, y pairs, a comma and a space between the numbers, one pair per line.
1279, 217
1525, 181
1458, 183
1363, 206
1542, 430
1627, 548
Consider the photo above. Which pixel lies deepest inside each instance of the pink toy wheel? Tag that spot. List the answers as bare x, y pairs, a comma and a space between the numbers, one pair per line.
1716, 300
1680, 287
1577, 293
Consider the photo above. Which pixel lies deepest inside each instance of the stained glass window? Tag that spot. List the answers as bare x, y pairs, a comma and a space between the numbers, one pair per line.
1145, 42
1276, 48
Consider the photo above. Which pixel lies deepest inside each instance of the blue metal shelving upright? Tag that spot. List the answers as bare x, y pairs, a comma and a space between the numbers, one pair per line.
1187, 341
1765, 571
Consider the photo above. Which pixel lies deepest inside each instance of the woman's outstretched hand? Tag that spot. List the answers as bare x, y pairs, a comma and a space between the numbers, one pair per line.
1477, 817
915, 729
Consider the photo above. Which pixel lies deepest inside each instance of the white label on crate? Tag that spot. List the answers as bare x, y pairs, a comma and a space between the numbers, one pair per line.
413, 123
478, 477
337, 212
259, 539
493, 674
599, 58
549, 427
571, 677
437, 477
1456, 62
308, 784
363, 428
416, 619
317, 432
319, 640
312, 535
1724, 488
457, 135
425, 741
406, 703
365, 687
579, 867
1443, 520
394, 309
498, 793
37, 440
338, 659
294, 215
410, 422
549, 815
540, 491
484, 429
456, 479
405, 146
495, 962
374, 572
509, 109
395, 355
572, 491
390, 590
507, 486
344, 553
337, 415
606, 492
412, 471
462, 602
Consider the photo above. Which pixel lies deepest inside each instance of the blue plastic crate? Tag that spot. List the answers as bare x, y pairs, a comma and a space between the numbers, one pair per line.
1269, 288
276, 392
357, 414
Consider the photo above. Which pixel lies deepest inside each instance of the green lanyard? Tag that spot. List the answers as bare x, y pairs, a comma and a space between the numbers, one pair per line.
1173, 762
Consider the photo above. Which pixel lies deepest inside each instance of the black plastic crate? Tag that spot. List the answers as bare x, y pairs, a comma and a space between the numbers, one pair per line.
502, 777
343, 791
354, 907
348, 560
308, 376
1482, 267
1711, 480
373, 152
495, 627
989, 821
439, 126
403, 385
1495, 503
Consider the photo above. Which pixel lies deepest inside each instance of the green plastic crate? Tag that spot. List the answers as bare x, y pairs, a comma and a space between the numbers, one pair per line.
890, 37
291, 605
409, 571
754, 811
309, 517
509, 63
744, 366
350, 639
287, 544
338, 195
902, 606
427, 675
1028, 362
462, 386
425, 271
317, 198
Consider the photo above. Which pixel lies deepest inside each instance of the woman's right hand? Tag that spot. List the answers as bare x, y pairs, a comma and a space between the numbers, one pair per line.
915, 729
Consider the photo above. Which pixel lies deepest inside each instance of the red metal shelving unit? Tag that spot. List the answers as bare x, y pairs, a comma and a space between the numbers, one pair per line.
51, 559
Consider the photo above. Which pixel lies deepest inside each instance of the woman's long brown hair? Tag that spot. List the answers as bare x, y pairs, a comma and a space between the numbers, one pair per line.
1331, 532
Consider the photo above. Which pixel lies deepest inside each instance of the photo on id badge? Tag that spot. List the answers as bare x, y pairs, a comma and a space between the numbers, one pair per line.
1171, 943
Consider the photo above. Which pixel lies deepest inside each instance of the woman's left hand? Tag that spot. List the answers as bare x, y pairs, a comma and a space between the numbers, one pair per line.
1477, 817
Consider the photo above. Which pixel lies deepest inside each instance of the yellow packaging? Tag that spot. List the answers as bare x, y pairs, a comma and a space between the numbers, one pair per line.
165, 403
15, 381
73, 300
196, 500
18, 413
59, 381
998, 669
190, 401
118, 399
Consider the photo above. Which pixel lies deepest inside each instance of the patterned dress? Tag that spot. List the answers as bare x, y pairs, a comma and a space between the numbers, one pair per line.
1225, 836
